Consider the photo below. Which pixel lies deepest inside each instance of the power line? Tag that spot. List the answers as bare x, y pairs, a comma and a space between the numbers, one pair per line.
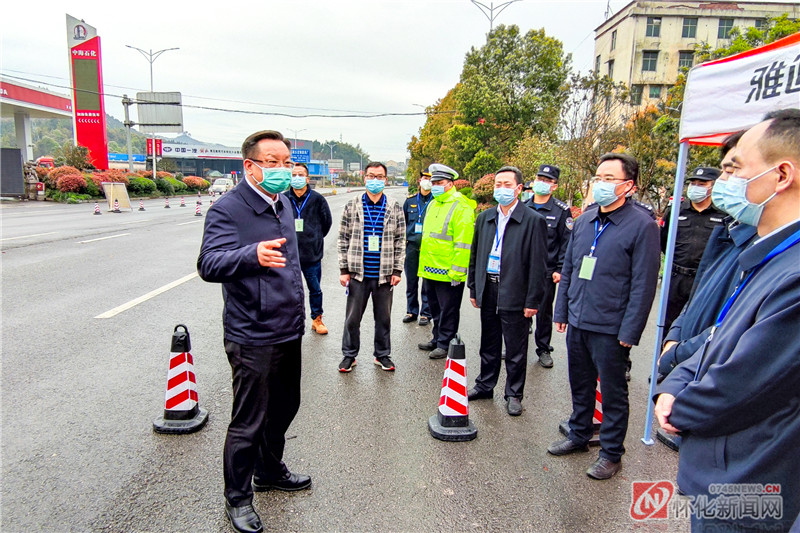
351, 114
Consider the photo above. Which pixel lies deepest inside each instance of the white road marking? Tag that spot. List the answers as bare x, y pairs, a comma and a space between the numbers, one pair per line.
192, 222
144, 298
27, 236
104, 238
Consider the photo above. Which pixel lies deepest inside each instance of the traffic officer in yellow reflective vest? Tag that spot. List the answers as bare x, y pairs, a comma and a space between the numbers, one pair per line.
444, 256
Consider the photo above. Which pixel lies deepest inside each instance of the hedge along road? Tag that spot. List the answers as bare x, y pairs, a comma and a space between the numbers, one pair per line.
80, 394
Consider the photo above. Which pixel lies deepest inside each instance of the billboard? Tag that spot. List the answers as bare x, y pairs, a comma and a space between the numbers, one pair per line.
160, 112
86, 75
336, 164
300, 155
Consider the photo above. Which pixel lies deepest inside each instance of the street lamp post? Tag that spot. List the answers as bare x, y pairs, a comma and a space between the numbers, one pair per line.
331, 145
489, 11
151, 57
295, 134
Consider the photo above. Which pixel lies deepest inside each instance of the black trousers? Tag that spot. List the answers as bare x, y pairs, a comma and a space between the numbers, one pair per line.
357, 297
413, 306
497, 326
444, 300
266, 397
680, 287
590, 355
544, 317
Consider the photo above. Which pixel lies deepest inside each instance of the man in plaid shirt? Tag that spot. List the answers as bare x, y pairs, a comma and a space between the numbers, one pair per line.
371, 245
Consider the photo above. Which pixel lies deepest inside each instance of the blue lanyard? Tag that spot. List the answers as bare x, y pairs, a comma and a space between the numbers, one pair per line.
368, 211
597, 235
497, 231
419, 203
300, 210
782, 247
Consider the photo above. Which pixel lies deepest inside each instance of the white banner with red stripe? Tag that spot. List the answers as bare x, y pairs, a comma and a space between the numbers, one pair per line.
734, 93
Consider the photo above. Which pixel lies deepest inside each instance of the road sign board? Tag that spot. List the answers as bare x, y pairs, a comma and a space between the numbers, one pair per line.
300, 155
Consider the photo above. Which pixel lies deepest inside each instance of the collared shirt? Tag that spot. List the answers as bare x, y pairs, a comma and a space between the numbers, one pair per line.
261, 193
502, 221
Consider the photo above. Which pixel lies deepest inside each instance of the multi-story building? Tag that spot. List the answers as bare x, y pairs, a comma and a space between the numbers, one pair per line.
646, 43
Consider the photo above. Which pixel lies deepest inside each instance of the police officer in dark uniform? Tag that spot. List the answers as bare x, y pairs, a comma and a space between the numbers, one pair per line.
559, 226
414, 212
696, 220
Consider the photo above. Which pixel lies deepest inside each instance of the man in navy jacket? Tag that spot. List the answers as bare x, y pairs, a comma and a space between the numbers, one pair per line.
250, 247
607, 287
507, 267
736, 401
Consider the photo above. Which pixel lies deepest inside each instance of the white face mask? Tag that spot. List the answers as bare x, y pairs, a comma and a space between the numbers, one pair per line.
425, 185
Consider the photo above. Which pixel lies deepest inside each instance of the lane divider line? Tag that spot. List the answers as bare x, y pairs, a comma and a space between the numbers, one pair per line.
144, 298
104, 238
192, 222
27, 236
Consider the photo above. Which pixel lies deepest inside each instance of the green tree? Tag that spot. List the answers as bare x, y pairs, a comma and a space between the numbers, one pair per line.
74, 156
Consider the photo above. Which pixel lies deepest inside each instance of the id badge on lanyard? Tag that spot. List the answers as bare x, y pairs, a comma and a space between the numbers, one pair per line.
298, 225
589, 262
373, 243
493, 265
418, 227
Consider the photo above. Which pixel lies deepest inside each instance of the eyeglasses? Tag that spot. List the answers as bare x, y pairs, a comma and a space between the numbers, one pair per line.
374, 177
274, 164
597, 179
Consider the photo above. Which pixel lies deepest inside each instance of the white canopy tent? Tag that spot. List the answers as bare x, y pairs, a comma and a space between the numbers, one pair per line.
723, 97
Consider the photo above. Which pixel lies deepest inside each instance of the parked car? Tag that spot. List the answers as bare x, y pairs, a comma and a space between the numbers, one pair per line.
221, 185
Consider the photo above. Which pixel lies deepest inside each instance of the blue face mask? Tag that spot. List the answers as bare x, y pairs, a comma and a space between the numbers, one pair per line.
437, 190
298, 182
541, 188
605, 193
375, 186
718, 195
275, 180
696, 193
736, 203
505, 196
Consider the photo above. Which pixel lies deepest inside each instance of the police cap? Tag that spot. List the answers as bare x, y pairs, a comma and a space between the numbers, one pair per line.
549, 171
442, 172
705, 173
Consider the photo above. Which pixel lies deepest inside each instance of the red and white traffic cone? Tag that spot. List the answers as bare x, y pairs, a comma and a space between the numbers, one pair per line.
199, 199
597, 418
183, 203
141, 205
182, 412
197, 212
116, 206
166, 203
97, 209
451, 422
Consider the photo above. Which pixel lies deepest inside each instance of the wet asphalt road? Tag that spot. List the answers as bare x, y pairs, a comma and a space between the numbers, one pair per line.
79, 395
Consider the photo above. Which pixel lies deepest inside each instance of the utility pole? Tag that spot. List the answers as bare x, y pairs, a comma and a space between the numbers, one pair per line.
331, 145
151, 57
295, 134
489, 11
126, 102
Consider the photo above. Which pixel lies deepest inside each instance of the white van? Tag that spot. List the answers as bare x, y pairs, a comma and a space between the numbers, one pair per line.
222, 185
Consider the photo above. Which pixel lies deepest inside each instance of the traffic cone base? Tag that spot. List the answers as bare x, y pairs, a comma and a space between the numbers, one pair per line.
597, 418
451, 423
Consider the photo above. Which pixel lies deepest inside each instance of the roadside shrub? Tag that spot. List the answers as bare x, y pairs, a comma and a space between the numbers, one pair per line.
165, 187
177, 185
141, 186
466, 191
461, 184
71, 183
92, 189
160, 174
483, 206
483, 191
53, 175
41, 172
195, 183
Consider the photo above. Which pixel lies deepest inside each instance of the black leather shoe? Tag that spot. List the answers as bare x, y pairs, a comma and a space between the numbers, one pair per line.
603, 468
291, 482
546, 360
424, 321
514, 406
438, 353
427, 346
475, 394
243, 519
566, 446
409, 318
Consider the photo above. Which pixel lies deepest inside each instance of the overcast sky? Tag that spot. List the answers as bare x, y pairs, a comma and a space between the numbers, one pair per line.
297, 57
